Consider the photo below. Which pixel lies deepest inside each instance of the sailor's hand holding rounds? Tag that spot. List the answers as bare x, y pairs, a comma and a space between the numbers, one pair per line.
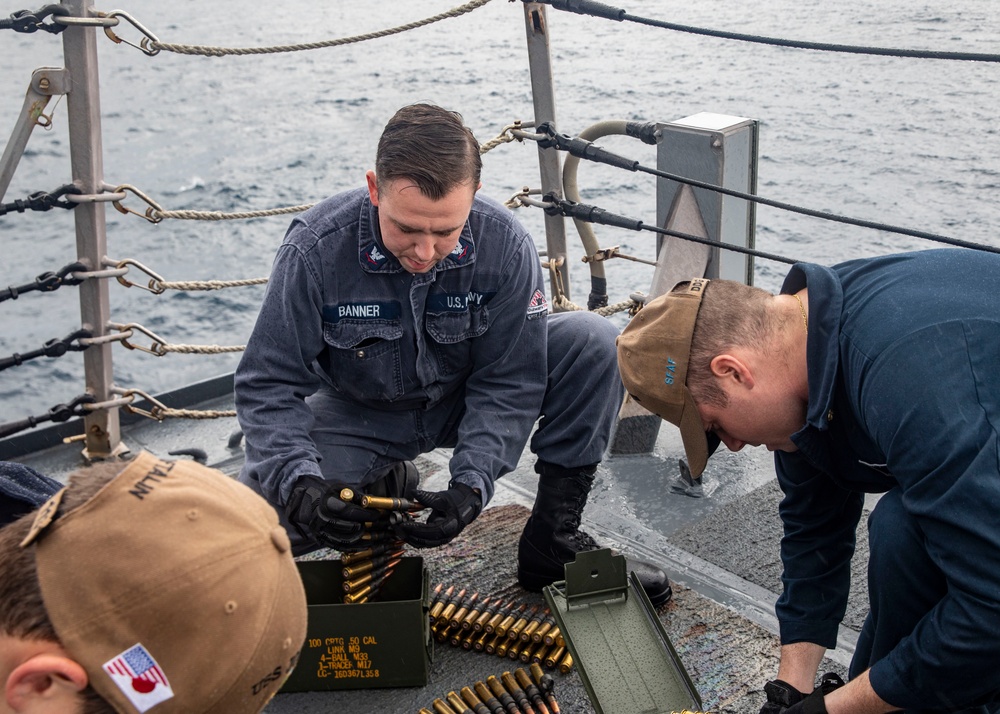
451, 512
326, 512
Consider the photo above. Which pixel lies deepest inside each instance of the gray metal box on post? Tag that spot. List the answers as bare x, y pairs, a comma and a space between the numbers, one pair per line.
714, 149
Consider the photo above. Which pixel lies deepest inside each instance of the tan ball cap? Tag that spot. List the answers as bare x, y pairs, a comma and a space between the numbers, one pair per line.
653, 353
175, 588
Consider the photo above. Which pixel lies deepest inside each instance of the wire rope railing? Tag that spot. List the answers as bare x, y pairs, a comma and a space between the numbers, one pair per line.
54, 19
608, 12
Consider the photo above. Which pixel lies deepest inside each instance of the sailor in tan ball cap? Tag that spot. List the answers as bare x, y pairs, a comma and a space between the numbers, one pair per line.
162, 586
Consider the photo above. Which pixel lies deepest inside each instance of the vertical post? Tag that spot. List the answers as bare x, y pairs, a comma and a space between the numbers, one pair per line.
543, 98
720, 150
103, 438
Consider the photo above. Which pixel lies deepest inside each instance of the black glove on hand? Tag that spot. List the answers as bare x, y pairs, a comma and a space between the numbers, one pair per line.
815, 702
451, 511
780, 696
317, 512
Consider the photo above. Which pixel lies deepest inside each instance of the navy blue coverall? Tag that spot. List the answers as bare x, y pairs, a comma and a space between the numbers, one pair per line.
904, 399
355, 364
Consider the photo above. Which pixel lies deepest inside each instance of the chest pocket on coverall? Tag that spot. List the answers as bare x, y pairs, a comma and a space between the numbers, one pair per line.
364, 358
450, 334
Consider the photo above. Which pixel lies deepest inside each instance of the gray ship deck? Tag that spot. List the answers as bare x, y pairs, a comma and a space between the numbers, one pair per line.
719, 548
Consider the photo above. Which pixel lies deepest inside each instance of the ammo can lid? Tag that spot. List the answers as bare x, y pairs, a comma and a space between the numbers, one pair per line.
625, 659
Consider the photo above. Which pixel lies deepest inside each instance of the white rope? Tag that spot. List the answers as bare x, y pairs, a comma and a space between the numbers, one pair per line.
219, 216
221, 51
201, 349
207, 284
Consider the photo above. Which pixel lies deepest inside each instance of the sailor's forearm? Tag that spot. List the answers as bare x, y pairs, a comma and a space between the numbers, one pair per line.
857, 697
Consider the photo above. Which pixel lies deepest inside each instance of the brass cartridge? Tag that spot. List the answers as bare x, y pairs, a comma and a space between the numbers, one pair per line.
479, 643
358, 556
489, 610
441, 708
435, 596
489, 699
501, 694
548, 622
498, 617
452, 606
513, 648
468, 637
551, 636
520, 696
555, 657
353, 570
509, 621
347, 495
356, 584
358, 596
477, 609
458, 704
463, 610
389, 503
515, 630
533, 624
547, 685
492, 642
541, 652
532, 690
437, 607
566, 664
474, 702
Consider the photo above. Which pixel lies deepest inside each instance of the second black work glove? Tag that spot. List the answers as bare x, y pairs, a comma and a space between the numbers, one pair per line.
451, 512
318, 512
780, 696
815, 703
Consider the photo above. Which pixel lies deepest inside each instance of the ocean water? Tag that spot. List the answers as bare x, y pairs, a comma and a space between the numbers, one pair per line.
910, 142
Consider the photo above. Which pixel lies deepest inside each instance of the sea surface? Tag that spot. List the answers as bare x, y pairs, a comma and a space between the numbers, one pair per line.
909, 142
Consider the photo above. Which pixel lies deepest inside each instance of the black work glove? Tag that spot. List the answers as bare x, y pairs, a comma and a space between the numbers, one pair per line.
815, 703
317, 511
451, 511
780, 696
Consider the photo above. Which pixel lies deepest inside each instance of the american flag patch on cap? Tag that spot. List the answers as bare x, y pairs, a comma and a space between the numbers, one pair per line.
140, 678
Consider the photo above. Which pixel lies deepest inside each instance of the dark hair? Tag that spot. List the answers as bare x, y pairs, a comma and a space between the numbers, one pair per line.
429, 146
22, 610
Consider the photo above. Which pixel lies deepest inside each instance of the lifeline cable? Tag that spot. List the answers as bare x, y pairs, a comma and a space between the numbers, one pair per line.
587, 150
42, 201
598, 9
58, 413
53, 348
554, 205
46, 282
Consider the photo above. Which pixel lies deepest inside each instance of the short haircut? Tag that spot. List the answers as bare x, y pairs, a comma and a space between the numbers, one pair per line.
731, 314
22, 610
429, 146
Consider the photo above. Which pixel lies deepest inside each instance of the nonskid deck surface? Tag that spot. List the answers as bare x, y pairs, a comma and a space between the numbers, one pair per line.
720, 550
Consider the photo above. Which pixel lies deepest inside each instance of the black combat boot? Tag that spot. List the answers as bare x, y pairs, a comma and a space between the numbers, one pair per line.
552, 535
